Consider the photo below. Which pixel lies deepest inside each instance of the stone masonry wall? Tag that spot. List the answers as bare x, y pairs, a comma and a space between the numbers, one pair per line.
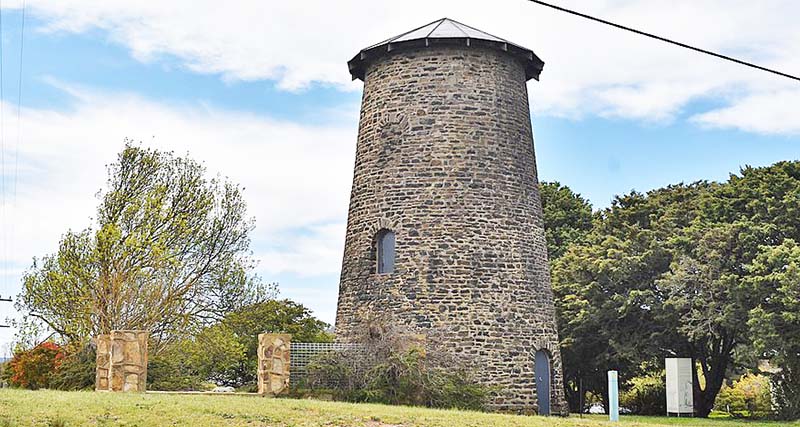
445, 159
121, 361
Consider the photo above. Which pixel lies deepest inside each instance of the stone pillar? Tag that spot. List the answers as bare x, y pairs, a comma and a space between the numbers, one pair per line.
273, 363
121, 361
103, 363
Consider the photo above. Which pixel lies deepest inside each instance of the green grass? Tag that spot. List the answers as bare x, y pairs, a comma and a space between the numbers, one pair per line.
59, 409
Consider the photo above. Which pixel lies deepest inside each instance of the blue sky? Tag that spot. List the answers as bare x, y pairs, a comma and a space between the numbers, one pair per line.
261, 94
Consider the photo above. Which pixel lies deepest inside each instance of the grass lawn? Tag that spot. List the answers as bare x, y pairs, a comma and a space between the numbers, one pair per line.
58, 409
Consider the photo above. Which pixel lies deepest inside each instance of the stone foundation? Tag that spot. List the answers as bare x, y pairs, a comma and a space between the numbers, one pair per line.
121, 361
273, 363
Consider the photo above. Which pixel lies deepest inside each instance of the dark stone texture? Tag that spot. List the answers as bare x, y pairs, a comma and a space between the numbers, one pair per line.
445, 159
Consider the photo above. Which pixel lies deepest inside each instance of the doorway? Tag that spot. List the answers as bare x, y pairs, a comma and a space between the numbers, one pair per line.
542, 371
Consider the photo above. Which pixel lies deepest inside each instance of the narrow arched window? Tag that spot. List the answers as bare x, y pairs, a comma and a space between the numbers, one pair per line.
384, 242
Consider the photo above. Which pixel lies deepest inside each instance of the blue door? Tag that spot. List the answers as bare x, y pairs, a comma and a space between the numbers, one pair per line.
542, 370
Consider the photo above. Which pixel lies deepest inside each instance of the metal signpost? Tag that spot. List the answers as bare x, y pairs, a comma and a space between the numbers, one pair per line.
5, 300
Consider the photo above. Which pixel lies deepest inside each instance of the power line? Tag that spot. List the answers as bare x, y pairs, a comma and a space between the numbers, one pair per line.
5, 300
666, 40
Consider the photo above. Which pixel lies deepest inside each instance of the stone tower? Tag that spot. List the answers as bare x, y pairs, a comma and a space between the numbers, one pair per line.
445, 229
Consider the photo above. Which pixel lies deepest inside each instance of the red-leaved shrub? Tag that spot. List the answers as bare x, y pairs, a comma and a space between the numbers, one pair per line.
35, 368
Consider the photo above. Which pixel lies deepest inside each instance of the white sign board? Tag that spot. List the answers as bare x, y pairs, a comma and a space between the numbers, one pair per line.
679, 386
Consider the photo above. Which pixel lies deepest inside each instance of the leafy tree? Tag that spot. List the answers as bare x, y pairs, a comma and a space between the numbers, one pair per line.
225, 353
596, 287
212, 355
758, 208
665, 274
707, 299
567, 217
604, 287
170, 251
29, 333
768, 196
775, 322
275, 316
216, 353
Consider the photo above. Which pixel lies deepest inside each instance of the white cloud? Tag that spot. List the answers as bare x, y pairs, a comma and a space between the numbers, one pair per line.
316, 251
777, 112
296, 177
591, 69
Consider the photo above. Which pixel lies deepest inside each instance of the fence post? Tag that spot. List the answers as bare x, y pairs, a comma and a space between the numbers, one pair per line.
613, 396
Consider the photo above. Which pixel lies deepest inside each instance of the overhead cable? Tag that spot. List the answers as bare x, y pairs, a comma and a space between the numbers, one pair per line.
666, 40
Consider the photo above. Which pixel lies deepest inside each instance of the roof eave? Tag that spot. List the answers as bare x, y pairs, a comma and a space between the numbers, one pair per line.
357, 65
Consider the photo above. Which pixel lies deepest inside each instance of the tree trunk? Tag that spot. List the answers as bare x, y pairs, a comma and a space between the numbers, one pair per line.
714, 374
572, 393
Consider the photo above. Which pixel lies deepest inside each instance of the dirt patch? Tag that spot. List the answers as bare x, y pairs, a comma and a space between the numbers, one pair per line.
380, 424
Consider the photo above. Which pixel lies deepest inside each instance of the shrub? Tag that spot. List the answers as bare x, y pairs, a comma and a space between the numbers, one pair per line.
225, 352
170, 371
747, 397
35, 368
244, 325
393, 366
77, 370
646, 395
5, 375
216, 354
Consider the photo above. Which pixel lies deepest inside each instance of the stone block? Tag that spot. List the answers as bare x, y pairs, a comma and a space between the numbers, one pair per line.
273, 363
121, 361
103, 362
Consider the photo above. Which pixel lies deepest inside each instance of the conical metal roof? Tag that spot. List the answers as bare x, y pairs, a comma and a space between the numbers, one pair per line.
444, 31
